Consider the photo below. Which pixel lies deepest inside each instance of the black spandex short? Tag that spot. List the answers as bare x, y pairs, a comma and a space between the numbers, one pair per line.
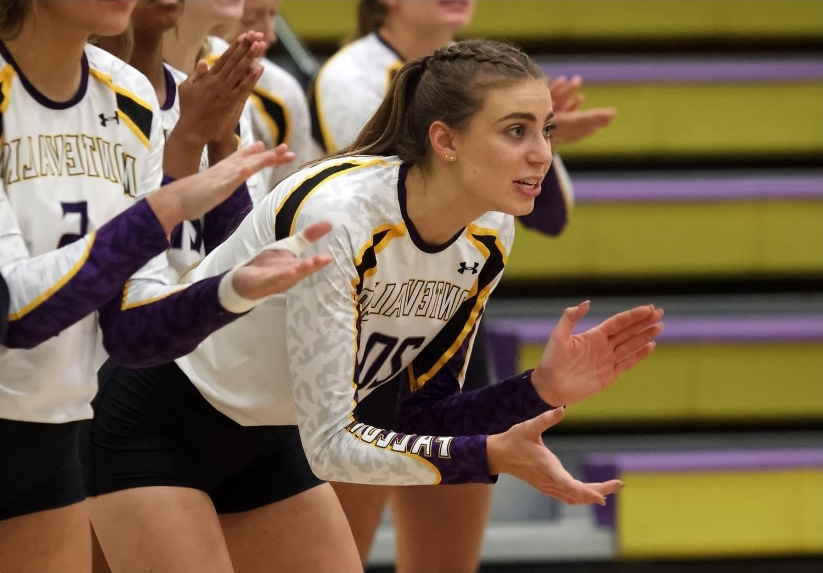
379, 408
152, 427
40, 467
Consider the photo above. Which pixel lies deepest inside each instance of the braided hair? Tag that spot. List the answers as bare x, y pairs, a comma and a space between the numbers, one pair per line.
448, 86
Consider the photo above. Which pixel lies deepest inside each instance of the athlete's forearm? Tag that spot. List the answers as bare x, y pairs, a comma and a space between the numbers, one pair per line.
155, 329
489, 410
54, 290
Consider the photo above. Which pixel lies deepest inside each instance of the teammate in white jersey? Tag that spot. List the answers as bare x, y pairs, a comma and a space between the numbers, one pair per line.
422, 211
81, 143
279, 111
201, 130
348, 88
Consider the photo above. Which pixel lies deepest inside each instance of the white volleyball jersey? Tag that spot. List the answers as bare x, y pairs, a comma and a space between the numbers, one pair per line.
388, 302
349, 88
279, 113
66, 169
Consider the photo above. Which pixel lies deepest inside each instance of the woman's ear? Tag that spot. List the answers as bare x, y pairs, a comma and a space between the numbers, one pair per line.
441, 137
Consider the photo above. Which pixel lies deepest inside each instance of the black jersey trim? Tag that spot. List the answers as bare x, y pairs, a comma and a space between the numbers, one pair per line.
464, 322
275, 111
288, 210
140, 116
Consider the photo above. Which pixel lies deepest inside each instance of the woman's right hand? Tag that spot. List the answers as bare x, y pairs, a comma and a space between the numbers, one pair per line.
520, 452
212, 99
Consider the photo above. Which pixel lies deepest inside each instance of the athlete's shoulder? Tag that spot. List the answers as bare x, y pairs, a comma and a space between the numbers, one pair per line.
362, 59
351, 190
498, 224
120, 77
347, 176
279, 82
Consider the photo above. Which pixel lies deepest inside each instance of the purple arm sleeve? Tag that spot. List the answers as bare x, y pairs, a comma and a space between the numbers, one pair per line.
164, 329
550, 214
221, 221
440, 408
118, 250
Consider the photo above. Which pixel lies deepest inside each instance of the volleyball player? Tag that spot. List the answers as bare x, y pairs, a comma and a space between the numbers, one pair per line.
447, 522
209, 463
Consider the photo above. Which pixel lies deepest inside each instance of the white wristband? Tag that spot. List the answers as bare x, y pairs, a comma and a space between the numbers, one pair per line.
230, 299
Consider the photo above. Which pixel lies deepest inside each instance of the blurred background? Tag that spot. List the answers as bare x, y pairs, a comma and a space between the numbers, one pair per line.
705, 197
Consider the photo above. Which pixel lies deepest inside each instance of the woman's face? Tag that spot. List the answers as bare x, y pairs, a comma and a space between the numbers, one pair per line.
504, 152
258, 16
449, 15
156, 15
91, 17
210, 13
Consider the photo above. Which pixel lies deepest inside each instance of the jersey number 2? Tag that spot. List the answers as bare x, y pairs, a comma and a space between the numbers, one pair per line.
81, 210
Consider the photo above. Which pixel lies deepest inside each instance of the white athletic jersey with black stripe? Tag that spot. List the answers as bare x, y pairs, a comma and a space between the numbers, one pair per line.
387, 303
349, 88
278, 113
66, 169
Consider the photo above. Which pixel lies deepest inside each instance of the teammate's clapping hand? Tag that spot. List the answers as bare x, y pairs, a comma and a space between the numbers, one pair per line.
212, 99
279, 267
572, 123
520, 452
211, 103
193, 196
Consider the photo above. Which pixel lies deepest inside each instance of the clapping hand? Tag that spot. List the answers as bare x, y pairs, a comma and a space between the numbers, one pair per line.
520, 452
571, 123
576, 366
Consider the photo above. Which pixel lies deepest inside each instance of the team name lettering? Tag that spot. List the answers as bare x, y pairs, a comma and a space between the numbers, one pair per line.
425, 446
57, 155
432, 299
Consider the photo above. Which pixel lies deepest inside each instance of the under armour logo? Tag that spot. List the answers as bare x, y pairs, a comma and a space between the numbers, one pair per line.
464, 266
105, 119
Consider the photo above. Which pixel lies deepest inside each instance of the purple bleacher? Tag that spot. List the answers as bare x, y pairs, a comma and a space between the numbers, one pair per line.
600, 467
706, 70
591, 189
506, 335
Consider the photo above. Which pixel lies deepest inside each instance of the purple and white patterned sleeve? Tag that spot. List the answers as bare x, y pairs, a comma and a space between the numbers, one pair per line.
439, 407
52, 291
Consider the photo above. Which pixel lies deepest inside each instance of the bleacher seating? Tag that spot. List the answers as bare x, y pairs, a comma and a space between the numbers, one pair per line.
693, 224
751, 502
707, 369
